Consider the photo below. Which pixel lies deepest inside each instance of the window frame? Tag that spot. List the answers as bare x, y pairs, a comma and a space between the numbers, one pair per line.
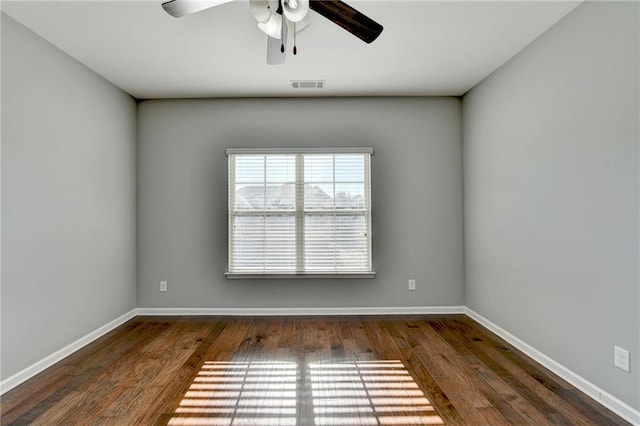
298, 212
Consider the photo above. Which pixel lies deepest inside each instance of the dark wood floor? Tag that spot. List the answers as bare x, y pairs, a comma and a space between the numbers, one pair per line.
388, 370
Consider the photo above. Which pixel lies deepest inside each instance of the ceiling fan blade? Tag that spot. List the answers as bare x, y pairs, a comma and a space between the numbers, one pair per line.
178, 8
348, 18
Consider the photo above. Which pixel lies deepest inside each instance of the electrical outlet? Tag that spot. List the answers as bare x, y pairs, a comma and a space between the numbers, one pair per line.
621, 358
412, 284
163, 286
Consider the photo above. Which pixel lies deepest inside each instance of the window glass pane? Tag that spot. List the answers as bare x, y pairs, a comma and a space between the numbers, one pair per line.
250, 169
264, 243
249, 197
318, 168
319, 243
318, 196
336, 243
278, 197
280, 240
351, 243
281, 168
350, 168
248, 243
350, 196
281, 196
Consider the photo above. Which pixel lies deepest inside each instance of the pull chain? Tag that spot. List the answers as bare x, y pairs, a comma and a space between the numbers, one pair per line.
295, 48
284, 22
282, 35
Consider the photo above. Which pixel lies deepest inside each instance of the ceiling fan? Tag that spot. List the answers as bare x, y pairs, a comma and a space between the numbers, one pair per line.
276, 17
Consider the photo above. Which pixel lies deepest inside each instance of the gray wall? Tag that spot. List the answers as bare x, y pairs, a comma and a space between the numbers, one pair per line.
416, 197
551, 194
68, 199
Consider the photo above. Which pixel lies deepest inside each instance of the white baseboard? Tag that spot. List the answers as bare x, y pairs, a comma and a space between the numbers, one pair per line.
612, 403
409, 310
24, 375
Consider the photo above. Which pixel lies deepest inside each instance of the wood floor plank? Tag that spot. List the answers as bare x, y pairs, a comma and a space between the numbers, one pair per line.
402, 370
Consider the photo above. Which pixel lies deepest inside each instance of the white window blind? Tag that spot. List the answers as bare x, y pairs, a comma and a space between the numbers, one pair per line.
299, 212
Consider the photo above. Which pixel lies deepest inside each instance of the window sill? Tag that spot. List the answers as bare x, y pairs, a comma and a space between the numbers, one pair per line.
298, 275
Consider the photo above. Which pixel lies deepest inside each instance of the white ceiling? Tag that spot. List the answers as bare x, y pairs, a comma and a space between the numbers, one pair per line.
427, 47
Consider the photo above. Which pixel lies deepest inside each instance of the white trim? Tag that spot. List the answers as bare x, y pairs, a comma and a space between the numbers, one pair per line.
409, 310
297, 275
262, 151
24, 375
611, 402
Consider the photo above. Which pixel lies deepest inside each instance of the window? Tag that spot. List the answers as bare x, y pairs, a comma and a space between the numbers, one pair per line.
299, 212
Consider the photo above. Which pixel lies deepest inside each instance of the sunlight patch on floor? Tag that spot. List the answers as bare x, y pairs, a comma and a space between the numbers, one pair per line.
264, 393
227, 393
376, 393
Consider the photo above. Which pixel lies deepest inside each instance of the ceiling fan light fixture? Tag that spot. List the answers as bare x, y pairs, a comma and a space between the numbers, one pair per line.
295, 10
263, 9
273, 27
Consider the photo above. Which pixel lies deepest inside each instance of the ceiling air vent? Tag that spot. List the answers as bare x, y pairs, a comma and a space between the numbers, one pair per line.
307, 84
